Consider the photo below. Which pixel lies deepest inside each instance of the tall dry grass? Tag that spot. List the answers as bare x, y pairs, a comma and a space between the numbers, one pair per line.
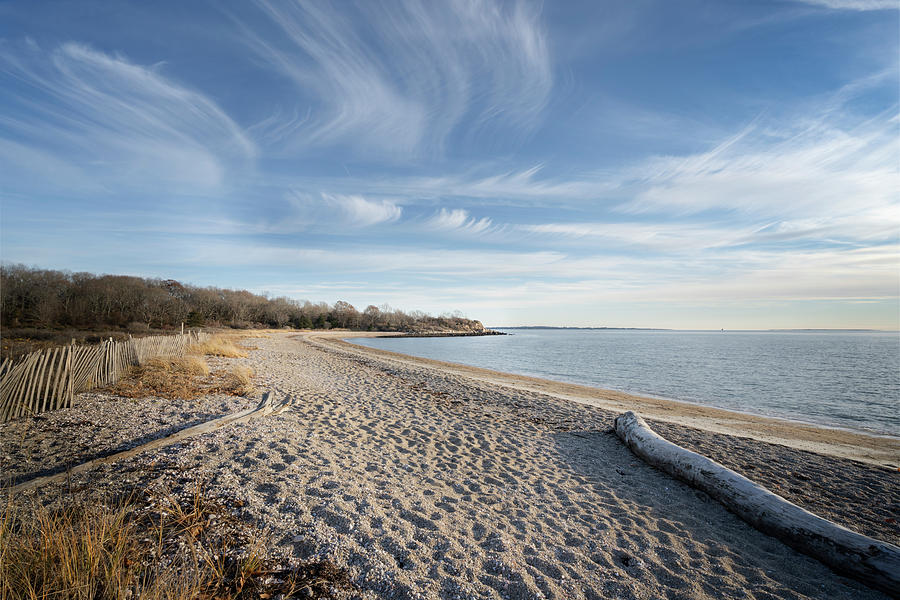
219, 345
157, 549
93, 553
185, 378
173, 378
237, 381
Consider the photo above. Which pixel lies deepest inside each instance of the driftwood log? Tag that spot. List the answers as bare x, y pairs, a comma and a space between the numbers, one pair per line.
265, 408
870, 561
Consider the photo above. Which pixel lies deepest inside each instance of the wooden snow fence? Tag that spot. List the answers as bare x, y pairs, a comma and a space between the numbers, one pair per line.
49, 379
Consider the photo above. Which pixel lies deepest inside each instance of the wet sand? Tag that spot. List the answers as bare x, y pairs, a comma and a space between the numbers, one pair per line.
424, 480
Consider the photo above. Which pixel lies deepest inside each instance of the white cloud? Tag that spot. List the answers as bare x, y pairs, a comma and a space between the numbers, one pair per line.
854, 4
401, 77
818, 168
824, 163
360, 212
739, 276
520, 187
660, 237
459, 221
120, 122
327, 211
513, 185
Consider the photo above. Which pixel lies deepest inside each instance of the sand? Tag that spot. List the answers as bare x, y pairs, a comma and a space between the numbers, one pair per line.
424, 480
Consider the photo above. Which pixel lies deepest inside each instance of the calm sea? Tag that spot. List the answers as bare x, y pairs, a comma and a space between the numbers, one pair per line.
841, 379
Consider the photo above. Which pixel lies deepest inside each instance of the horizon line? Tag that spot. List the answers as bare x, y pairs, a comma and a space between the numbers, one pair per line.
772, 329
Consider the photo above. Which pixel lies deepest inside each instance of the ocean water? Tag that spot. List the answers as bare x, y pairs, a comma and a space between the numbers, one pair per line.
841, 379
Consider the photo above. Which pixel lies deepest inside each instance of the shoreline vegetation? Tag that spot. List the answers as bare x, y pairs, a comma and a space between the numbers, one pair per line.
387, 475
41, 308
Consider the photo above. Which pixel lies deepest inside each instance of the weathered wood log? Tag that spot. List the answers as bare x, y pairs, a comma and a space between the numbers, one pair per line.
266, 407
872, 562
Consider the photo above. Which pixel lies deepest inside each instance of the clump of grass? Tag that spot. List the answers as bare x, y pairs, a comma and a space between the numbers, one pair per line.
161, 548
56, 551
185, 378
238, 382
91, 552
219, 345
172, 378
192, 365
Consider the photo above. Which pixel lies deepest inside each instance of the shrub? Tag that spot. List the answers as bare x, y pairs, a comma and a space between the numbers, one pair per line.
195, 319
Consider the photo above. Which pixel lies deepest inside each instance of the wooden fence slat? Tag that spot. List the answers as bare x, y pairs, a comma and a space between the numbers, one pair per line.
22, 388
10, 383
22, 392
62, 372
36, 384
78, 365
52, 368
19, 382
86, 361
6, 383
70, 391
37, 398
45, 395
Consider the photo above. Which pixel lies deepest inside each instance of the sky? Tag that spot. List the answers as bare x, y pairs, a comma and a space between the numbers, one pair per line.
689, 165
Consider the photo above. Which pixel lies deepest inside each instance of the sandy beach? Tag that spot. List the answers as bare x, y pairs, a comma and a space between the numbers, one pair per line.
423, 479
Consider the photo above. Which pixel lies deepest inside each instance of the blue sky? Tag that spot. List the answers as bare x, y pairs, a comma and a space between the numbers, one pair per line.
692, 164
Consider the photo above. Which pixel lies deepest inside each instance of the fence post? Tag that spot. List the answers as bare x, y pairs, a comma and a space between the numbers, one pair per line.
70, 392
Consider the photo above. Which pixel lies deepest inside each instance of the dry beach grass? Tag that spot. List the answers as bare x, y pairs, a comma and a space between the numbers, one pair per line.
416, 480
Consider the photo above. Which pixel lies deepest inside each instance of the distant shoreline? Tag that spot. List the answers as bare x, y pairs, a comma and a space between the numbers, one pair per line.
437, 334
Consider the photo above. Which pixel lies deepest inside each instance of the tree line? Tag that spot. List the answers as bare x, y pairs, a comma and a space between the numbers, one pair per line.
48, 299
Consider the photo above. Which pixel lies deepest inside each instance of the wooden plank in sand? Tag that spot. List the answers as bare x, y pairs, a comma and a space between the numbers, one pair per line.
872, 562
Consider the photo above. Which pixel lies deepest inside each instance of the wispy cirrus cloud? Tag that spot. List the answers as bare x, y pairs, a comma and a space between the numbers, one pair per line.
113, 120
361, 212
327, 210
813, 167
854, 4
402, 77
458, 220
669, 237
825, 175
746, 275
523, 186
